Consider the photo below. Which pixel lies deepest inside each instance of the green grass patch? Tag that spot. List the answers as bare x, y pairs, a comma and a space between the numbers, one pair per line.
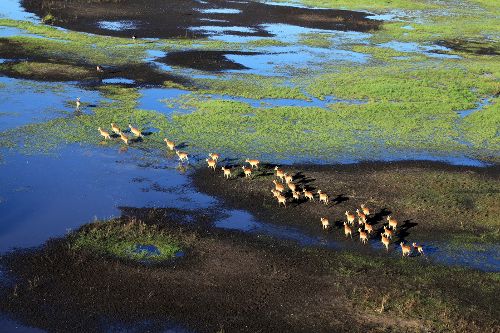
125, 240
251, 86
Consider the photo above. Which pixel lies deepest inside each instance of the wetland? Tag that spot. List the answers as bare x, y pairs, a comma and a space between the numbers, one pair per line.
392, 105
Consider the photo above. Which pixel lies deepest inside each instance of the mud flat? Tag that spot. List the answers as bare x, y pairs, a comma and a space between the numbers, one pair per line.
162, 19
239, 282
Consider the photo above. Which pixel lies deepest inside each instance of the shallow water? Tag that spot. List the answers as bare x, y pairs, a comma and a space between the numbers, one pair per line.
45, 196
25, 102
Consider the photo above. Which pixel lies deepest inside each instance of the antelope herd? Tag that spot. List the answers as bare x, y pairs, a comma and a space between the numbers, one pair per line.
284, 183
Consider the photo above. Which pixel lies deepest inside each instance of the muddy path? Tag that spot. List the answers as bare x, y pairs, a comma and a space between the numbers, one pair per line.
233, 281
180, 18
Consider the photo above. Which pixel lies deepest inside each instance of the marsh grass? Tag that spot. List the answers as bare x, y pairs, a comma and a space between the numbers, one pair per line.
120, 240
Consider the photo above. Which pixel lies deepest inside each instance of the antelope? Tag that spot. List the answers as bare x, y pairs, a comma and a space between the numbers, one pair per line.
325, 223
323, 197
308, 194
288, 178
363, 236
227, 172
214, 156
393, 223
280, 173
368, 228
135, 131
78, 103
170, 144
104, 133
115, 129
350, 217
281, 200
361, 221
361, 215
278, 186
291, 186
124, 138
387, 232
247, 171
386, 242
347, 230
134, 36
182, 155
211, 163
253, 163
99, 69
365, 210
296, 195
406, 249
275, 193
419, 248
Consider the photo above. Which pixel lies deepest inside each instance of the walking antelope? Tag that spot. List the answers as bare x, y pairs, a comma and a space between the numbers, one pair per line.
387, 232
393, 223
368, 228
135, 131
308, 194
347, 230
361, 215
124, 138
182, 155
280, 173
281, 200
211, 163
419, 248
323, 197
386, 242
291, 186
227, 172
214, 156
363, 236
278, 186
170, 144
253, 163
115, 129
406, 249
365, 210
296, 195
350, 217
288, 178
325, 223
104, 133
247, 171
275, 193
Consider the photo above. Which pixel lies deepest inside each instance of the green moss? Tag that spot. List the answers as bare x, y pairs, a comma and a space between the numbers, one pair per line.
120, 240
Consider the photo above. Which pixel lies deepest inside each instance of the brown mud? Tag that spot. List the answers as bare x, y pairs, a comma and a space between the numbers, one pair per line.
210, 61
239, 283
167, 19
427, 198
